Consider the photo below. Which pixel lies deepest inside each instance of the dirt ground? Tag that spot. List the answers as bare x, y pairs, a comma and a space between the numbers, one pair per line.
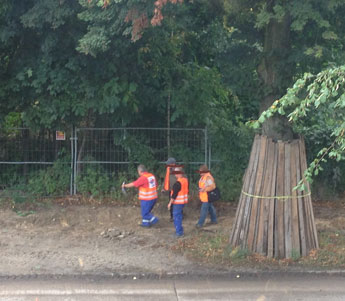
68, 239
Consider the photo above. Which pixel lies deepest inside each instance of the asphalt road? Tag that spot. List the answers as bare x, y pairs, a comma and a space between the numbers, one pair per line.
277, 287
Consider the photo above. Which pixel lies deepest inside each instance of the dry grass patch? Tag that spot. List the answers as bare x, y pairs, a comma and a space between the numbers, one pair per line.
214, 249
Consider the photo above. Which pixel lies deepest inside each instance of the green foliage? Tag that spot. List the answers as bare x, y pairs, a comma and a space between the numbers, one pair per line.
46, 80
54, 180
331, 252
11, 176
316, 104
73, 62
17, 194
24, 213
230, 154
12, 120
106, 26
295, 255
94, 182
230, 143
329, 181
239, 254
300, 51
116, 191
139, 151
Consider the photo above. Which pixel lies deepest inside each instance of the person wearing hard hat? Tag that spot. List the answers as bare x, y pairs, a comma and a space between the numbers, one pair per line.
178, 198
147, 185
206, 184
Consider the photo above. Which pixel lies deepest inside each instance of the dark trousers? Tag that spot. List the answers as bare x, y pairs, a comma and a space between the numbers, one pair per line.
171, 207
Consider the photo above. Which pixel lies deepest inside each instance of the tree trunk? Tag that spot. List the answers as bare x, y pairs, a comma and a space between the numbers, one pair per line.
271, 218
275, 74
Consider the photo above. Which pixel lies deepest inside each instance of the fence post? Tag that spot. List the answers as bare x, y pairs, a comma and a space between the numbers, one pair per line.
75, 161
72, 154
209, 155
206, 145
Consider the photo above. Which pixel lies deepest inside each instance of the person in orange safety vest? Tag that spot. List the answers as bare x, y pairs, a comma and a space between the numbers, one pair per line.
169, 181
147, 185
206, 184
179, 197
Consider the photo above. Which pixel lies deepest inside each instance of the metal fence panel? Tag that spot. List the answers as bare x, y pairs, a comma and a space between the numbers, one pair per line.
24, 153
120, 150
30, 157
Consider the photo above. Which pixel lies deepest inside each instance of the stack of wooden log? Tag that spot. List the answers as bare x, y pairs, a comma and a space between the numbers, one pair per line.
272, 218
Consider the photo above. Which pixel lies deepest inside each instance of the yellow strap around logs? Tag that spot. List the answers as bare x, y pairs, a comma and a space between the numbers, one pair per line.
276, 197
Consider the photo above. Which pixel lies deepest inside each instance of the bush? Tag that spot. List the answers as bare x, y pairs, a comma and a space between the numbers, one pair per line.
94, 182
328, 184
230, 157
53, 180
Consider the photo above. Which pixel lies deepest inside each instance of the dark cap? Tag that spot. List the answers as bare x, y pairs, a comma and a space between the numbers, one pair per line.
170, 161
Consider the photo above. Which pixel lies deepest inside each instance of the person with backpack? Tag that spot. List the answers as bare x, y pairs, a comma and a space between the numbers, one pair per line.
206, 185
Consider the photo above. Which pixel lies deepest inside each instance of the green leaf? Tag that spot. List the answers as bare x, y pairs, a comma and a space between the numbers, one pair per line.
262, 118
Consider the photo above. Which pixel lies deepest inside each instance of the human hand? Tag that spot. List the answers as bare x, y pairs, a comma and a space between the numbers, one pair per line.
169, 205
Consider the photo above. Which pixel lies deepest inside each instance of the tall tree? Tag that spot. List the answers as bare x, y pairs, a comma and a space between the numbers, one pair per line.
46, 79
293, 37
284, 27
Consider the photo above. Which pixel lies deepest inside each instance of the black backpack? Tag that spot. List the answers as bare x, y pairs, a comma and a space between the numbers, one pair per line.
213, 195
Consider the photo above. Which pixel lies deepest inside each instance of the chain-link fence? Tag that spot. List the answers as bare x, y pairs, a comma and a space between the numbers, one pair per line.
117, 151
36, 161
92, 160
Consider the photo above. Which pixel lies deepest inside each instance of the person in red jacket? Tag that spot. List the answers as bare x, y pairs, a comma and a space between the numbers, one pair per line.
147, 185
179, 197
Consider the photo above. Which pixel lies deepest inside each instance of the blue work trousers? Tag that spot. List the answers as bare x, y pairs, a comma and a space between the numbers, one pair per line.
178, 216
205, 209
148, 218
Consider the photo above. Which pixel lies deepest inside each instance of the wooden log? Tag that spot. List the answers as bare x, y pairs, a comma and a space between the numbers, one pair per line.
234, 237
300, 202
238, 216
272, 218
262, 233
248, 199
257, 192
313, 239
287, 201
272, 204
296, 246
307, 225
279, 248
246, 187
239, 219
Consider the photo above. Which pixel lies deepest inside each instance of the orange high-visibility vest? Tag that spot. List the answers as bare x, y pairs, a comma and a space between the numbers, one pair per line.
202, 183
148, 193
167, 179
182, 196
